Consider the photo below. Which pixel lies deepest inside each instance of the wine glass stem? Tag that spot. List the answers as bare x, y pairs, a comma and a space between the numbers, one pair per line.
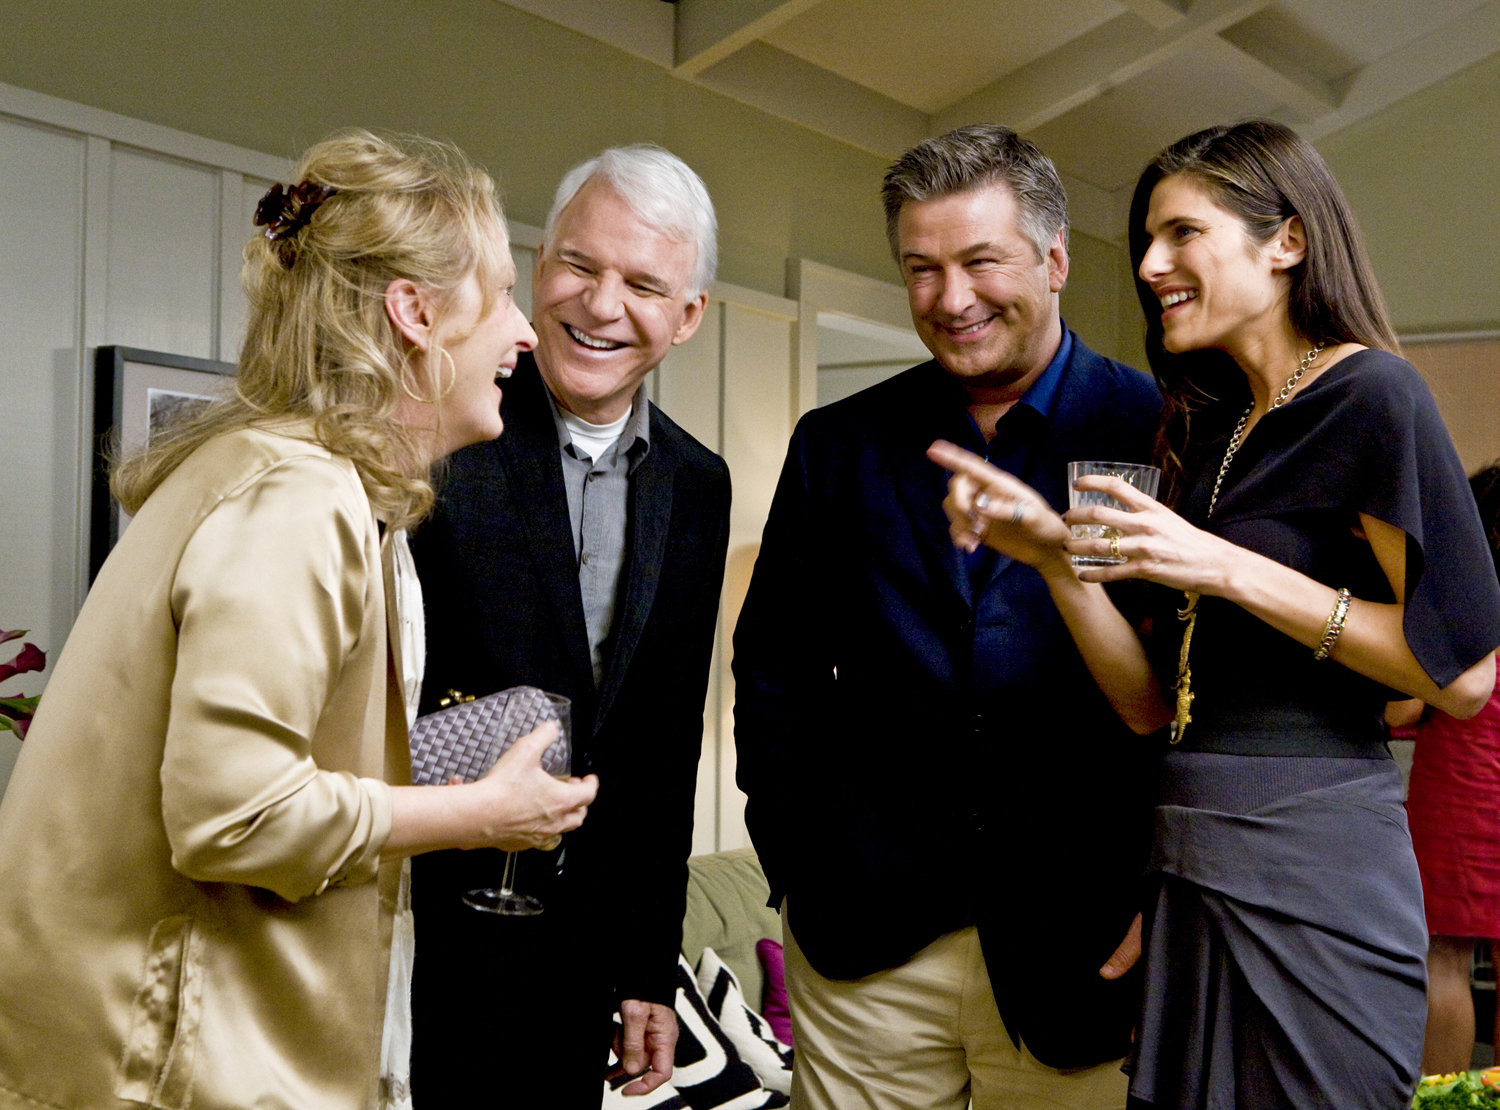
510, 873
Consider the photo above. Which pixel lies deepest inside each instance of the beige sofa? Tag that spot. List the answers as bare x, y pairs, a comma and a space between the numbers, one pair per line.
726, 911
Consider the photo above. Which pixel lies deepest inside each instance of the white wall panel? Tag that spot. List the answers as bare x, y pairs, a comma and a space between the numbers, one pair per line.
238, 199
41, 261
524, 241
687, 383
686, 387
730, 388
525, 259
163, 275
821, 291
99, 243
758, 384
757, 390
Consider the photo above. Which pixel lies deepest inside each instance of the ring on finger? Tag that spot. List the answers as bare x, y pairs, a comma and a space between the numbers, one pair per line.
1018, 512
1114, 547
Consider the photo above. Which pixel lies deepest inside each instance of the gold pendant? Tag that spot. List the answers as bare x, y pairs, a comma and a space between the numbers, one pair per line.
1189, 613
1184, 703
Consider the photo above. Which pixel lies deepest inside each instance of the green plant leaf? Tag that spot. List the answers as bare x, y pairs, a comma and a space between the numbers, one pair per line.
20, 706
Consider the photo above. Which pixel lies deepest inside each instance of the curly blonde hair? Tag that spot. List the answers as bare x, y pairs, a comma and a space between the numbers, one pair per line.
319, 348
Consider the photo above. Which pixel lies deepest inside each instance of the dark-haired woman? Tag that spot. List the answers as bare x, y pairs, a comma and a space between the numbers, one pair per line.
203, 836
1455, 829
1324, 551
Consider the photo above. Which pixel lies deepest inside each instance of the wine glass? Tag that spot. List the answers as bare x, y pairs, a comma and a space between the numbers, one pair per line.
520, 716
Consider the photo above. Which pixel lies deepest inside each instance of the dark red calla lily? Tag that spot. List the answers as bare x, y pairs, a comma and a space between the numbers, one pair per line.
31, 658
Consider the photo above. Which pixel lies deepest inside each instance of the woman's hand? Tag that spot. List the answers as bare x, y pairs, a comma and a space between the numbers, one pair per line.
1158, 545
1162, 547
516, 806
531, 808
986, 505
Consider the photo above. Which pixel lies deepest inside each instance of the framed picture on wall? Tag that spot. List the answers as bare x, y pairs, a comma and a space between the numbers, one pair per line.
137, 393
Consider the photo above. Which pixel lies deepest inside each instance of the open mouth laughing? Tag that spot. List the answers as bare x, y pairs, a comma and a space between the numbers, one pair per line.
589, 342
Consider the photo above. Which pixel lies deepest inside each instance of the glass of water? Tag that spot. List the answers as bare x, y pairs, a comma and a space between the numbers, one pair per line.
1142, 477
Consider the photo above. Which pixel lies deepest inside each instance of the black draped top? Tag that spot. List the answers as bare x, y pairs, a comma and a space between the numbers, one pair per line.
1362, 437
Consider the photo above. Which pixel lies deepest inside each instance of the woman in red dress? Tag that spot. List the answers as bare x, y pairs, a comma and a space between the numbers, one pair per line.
1455, 830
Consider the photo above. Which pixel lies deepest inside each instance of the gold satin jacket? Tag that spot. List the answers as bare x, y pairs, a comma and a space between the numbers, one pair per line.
190, 841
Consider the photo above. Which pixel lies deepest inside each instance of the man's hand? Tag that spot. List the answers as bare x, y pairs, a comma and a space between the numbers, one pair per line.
649, 1039
1126, 955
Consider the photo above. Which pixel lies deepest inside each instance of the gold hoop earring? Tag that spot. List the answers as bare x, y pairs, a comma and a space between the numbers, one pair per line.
452, 381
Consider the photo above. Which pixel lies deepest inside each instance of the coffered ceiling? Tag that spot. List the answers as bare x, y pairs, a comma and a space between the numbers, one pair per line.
1101, 85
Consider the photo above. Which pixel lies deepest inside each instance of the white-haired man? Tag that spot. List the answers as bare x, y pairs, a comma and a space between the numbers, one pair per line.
581, 552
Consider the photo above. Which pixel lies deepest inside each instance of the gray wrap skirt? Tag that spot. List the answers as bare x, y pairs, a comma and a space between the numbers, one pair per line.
1285, 948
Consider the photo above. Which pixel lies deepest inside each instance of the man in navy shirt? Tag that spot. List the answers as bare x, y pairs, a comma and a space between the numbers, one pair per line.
950, 815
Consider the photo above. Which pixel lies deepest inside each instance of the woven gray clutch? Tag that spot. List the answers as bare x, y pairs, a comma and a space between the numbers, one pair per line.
466, 739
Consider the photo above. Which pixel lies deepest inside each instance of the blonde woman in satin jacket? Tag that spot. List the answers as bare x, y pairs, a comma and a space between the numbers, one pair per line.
201, 841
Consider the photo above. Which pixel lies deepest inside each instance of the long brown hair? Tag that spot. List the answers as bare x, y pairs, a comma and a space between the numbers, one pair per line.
1264, 173
319, 349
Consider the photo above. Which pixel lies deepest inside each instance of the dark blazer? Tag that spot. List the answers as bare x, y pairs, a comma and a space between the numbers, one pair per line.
920, 754
500, 581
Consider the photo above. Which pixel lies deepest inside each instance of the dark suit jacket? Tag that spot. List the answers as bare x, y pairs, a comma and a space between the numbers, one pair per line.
500, 580
918, 756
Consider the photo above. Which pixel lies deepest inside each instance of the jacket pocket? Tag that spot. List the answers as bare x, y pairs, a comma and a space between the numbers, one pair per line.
157, 1067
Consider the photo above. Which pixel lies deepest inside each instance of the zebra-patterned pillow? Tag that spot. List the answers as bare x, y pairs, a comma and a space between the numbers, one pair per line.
751, 1034
708, 1072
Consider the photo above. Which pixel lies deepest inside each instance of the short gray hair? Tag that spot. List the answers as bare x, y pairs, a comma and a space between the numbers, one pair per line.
974, 157
663, 191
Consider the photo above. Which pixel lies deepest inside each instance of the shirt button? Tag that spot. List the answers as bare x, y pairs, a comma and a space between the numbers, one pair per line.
585, 559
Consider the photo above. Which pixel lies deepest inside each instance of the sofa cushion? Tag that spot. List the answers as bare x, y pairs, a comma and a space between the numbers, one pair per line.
708, 1072
750, 1033
773, 1003
726, 911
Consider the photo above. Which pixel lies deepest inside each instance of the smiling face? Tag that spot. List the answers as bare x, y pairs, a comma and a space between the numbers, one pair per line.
983, 303
1217, 286
610, 302
484, 346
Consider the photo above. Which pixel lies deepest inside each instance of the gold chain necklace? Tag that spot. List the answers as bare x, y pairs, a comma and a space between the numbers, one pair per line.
1189, 611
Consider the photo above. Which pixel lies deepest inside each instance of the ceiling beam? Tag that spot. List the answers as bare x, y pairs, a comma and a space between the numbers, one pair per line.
708, 31
1094, 211
1472, 37
644, 28
1306, 96
783, 85
1087, 66
1161, 14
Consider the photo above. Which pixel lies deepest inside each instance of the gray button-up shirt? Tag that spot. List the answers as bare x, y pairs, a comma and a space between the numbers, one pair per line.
598, 509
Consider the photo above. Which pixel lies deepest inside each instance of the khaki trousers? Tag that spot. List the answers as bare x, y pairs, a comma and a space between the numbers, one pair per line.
923, 1036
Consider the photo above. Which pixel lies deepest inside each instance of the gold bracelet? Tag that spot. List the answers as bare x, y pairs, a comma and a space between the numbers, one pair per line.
1334, 626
